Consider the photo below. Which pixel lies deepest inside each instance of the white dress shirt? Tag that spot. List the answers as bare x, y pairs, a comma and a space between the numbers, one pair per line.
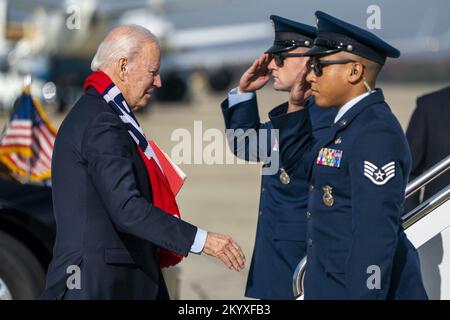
350, 104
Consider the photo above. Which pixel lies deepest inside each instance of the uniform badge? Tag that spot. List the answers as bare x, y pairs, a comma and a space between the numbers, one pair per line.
329, 157
327, 198
338, 140
284, 177
379, 176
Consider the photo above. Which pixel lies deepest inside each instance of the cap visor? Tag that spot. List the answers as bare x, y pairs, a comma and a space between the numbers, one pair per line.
276, 48
320, 51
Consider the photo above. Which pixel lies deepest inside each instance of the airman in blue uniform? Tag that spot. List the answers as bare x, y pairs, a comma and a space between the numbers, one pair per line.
281, 230
356, 247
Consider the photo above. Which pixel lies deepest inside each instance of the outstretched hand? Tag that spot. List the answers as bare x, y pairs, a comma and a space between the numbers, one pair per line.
225, 249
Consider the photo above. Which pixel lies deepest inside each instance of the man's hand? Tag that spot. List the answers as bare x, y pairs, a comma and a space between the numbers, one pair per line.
256, 76
300, 91
224, 248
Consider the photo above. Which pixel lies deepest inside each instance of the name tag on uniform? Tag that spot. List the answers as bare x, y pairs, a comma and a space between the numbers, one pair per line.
329, 157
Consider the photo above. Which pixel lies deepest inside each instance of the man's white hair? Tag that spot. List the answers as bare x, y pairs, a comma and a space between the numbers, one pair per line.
122, 42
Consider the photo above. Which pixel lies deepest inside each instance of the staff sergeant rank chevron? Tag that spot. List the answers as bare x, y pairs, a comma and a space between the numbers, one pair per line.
379, 176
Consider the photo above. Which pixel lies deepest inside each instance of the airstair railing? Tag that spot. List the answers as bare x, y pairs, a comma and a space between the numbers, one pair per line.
435, 201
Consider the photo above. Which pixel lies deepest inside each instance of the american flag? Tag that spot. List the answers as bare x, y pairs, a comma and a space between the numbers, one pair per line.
26, 143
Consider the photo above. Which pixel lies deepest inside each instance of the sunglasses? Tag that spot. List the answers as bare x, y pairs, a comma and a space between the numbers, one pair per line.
279, 57
317, 64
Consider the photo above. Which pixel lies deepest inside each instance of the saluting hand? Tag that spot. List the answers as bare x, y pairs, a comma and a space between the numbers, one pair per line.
301, 89
225, 249
256, 76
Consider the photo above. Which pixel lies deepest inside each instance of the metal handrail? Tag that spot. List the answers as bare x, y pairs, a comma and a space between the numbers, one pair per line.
409, 219
426, 207
432, 203
298, 278
428, 176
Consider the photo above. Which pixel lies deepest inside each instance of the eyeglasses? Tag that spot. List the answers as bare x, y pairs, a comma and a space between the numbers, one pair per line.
317, 64
280, 56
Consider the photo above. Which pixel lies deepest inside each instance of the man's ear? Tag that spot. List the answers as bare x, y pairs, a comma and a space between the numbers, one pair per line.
356, 73
123, 68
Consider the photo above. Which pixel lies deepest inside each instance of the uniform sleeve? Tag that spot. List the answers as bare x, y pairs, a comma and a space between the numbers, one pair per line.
235, 98
247, 137
107, 150
378, 172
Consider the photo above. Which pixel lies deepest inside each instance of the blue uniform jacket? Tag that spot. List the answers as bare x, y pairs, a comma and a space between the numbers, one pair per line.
356, 247
281, 228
